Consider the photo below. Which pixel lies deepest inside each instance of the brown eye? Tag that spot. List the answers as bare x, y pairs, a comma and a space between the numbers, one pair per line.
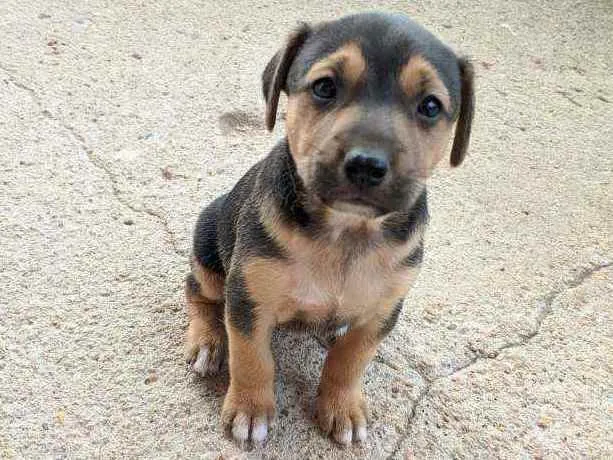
430, 107
324, 89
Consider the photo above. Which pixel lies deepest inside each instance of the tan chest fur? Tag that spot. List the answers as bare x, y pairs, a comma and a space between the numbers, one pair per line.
351, 274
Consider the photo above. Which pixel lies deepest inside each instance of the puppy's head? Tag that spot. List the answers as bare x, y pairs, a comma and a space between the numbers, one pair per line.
372, 103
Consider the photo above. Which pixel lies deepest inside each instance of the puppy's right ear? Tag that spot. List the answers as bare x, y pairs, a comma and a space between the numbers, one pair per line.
274, 78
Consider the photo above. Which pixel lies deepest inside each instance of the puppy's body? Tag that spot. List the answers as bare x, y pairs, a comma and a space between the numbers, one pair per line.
307, 267
327, 230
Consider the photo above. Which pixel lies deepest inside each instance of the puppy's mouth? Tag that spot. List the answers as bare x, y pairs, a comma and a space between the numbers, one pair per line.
354, 202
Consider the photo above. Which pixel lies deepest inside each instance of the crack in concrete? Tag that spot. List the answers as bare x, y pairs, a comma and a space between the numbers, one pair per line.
544, 305
97, 163
544, 308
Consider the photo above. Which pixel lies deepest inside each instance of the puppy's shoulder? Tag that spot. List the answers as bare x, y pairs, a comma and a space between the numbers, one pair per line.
242, 224
229, 215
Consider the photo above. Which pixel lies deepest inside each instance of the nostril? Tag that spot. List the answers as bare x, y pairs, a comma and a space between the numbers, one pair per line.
352, 168
366, 168
377, 167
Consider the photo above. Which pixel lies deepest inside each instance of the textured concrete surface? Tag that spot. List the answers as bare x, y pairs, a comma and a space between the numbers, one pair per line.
118, 120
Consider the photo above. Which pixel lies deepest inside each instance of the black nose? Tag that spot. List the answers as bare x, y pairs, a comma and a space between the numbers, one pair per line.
366, 167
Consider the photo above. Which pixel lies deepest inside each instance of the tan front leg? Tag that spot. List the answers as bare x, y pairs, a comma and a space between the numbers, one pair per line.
341, 409
249, 405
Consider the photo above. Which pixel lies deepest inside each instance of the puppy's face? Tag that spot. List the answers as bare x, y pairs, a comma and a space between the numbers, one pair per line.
372, 102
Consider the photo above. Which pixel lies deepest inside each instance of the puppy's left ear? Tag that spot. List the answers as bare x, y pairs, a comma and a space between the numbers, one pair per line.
467, 110
274, 78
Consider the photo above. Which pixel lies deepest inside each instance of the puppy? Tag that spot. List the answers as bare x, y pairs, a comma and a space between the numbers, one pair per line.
327, 230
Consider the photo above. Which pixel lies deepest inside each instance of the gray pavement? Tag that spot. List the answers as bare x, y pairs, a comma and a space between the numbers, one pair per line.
119, 119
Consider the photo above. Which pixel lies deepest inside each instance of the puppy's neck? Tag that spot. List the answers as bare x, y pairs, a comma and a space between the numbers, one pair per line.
280, 180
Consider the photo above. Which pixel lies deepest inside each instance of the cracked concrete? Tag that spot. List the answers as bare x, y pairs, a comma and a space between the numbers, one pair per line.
545, 308
536, 390
120, 120
80, 139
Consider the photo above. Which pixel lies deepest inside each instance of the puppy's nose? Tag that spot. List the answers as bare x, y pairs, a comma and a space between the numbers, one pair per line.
366, 167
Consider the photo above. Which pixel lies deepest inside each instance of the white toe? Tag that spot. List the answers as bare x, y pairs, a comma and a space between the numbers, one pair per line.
360, 433
240, 427
341, 331
259, 431
344, 437
201, 363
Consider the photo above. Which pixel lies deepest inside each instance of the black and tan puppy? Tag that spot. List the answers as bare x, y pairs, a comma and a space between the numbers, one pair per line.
327, 230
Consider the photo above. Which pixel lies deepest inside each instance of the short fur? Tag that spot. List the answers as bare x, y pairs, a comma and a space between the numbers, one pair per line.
298, 241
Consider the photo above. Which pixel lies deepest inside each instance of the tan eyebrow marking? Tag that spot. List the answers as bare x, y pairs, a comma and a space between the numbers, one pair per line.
348, 58
419, 76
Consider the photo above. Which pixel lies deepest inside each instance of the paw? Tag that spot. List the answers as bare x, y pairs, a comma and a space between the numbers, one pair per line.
248, 418
205, 359
342, 414
205, 346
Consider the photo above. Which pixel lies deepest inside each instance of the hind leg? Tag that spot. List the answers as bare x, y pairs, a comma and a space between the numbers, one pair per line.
206, 341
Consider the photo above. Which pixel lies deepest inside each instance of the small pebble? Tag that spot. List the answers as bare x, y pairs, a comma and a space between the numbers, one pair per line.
544, 421
167, 173
59, 416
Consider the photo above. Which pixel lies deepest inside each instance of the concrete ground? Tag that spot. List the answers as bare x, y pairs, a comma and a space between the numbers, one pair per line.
120, 119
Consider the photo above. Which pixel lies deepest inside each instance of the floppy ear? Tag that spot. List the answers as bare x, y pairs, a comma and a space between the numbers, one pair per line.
275, 74
467, 110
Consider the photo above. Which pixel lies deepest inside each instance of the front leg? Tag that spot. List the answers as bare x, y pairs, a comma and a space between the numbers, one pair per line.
249, 405
341, 409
